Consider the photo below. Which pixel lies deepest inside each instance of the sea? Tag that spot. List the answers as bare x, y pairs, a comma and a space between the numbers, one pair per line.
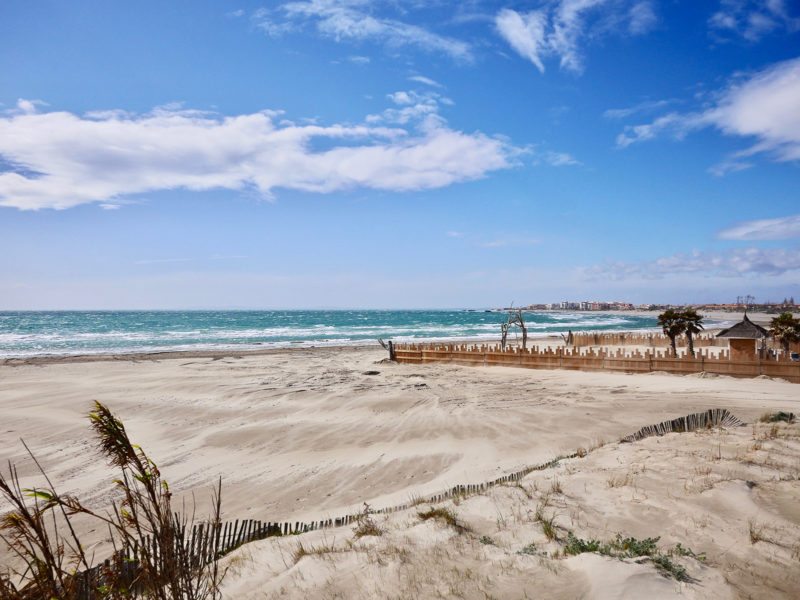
65, 333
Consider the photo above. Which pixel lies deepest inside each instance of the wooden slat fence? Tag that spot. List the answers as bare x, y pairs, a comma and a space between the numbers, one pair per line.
651, 340
598, 359
659, 340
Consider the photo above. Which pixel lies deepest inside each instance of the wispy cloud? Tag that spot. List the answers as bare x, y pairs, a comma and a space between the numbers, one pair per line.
454, 234
559, 159
763, 106
736, 262
558, 29
753, 19
359, 60
411, 105
357, 20
646, 106
65, 159
425, 80
783, 228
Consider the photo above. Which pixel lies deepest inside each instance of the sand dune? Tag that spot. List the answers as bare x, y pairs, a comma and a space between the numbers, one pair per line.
309, 434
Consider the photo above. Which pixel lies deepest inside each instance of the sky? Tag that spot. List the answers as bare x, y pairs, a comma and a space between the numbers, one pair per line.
397, 154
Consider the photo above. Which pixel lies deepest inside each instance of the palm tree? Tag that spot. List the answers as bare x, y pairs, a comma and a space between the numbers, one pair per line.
785, 329
693, 324
672, 324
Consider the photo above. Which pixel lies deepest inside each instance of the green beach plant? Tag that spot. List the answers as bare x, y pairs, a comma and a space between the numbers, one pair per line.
631, 547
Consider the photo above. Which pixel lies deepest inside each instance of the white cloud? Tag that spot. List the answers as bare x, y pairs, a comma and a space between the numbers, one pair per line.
525, 33
25, 107
558, 29
783, 228
355, 20
359, 60
60, 160
414, 106
454, 234
736, 262
642, 18
753, 19
425, 80
646, 106
764, 107
559, 159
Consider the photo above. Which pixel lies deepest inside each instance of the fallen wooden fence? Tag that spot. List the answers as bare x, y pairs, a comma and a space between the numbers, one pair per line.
598, 359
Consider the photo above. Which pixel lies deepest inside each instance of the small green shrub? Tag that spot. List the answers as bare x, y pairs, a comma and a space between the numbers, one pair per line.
579, 546
663, 563
778, 416
631, 547
530, 550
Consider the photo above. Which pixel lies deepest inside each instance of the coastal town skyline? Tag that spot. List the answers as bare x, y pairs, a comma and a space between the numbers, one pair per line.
349, 153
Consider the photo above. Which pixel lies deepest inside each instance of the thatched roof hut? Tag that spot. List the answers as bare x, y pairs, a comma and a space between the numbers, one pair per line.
745, 330
742, 338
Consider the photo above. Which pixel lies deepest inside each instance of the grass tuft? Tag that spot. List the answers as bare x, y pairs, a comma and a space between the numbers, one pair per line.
447, 516
778, 416
365, 524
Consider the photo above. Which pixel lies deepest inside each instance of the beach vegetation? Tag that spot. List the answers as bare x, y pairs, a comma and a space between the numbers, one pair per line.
549, 527
50, 559
365, 523
631, 547
446, 516
322, 550
531, 550
693, 324
672, 324
785, 329
787, 417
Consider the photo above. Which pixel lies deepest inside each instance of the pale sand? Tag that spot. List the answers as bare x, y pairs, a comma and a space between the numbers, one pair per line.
307, 434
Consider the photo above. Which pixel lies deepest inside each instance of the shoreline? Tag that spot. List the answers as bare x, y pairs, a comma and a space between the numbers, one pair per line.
265, 348
218, 354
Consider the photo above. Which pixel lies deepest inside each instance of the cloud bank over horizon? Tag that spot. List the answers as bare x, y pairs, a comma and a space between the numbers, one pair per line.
735, 262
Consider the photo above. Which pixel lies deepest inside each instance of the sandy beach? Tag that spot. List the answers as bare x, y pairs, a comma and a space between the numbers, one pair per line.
313, 433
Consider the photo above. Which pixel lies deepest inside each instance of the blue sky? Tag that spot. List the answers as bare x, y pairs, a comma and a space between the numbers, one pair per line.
355, 153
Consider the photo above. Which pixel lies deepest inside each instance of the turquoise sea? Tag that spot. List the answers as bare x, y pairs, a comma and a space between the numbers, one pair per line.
24, 334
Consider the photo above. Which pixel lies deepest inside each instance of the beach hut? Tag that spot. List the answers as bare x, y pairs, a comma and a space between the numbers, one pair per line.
742, 338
